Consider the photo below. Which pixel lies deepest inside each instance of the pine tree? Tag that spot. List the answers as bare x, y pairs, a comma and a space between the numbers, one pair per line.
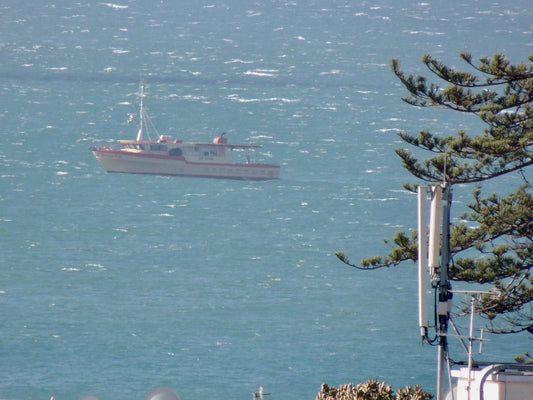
493, 244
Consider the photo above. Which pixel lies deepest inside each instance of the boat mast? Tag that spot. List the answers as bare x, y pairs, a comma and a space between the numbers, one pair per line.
141, 114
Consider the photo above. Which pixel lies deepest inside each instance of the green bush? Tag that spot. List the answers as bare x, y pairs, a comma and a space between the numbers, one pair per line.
371, 390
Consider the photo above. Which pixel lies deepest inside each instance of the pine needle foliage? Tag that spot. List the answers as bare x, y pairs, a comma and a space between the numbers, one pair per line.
493, 242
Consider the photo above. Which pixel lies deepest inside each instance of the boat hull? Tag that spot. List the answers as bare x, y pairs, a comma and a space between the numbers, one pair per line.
121, 161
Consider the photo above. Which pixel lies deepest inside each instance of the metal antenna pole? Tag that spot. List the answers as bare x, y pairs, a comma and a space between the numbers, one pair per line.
141, 114
445, 296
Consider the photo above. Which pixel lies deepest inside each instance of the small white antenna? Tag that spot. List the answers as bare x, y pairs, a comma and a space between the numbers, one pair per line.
434, 230
423, 321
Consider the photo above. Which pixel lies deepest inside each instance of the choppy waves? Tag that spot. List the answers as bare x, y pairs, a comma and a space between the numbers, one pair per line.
215, 288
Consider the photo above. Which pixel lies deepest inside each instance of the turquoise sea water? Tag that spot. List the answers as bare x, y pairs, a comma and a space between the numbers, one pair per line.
114, 284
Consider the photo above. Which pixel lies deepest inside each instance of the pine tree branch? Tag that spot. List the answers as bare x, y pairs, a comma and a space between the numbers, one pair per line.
495, 245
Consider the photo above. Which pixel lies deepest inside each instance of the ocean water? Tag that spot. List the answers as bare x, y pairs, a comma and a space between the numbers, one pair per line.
114, 284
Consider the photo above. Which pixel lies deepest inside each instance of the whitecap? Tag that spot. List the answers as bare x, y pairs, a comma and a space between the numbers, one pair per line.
237, 60
332, 72
99, 266
195, 194
188, 97
235, 97
193, 73
427, 33
257, 73
115, 6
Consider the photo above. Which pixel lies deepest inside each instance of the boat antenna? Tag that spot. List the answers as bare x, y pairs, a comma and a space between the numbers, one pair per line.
141, 112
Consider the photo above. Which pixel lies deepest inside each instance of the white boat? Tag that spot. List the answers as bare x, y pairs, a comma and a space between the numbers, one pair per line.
169, 156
